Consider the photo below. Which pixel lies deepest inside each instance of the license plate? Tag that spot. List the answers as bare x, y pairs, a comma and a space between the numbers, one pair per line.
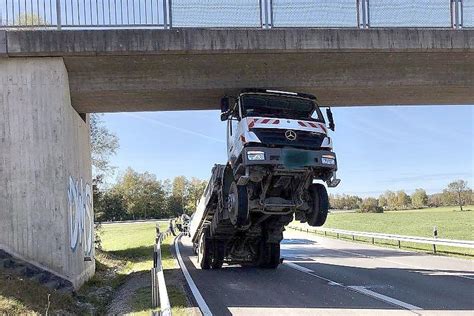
293, 159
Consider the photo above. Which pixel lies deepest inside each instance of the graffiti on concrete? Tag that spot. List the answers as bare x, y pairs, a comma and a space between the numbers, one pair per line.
81, 221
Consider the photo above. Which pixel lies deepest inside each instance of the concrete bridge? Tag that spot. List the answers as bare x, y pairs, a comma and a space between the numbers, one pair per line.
52, 79
136, 70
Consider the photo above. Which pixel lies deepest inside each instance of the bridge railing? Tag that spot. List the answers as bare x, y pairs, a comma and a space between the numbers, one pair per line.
159, 292
390, 237
92, 14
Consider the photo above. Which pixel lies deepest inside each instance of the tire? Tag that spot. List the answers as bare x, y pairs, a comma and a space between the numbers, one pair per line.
319, 205
218, 255
269, 257
238, 208
204, 251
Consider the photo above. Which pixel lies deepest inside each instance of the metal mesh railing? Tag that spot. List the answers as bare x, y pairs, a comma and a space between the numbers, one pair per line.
216, 13
83, 13
235, 13
414, 13
468, 13
314, 13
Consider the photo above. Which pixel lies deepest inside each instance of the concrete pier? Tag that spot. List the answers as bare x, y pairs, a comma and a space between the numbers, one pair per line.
46, 214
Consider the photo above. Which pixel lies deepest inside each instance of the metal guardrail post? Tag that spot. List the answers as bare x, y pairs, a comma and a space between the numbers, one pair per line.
58, 15
363, 14
266, 14
457, 14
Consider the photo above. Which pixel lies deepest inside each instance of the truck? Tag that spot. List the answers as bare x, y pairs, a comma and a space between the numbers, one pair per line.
278, 148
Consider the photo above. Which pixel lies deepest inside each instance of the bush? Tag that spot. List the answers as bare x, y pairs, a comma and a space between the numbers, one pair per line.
370, 205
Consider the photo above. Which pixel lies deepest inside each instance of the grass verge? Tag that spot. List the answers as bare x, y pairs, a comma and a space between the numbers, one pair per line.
450, 222
127, 253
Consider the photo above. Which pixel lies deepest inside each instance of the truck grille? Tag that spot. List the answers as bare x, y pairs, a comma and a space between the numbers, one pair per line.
276, 137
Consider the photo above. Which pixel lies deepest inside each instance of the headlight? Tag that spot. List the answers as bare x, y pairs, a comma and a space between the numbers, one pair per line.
255, 155
328, 160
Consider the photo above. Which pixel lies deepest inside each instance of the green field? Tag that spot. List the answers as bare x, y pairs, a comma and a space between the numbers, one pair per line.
450, 222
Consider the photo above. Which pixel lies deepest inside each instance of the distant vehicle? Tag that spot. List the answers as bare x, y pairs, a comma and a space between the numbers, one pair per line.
182, 223
277, 144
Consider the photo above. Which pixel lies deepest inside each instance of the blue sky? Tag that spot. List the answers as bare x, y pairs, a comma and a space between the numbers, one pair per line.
378, 148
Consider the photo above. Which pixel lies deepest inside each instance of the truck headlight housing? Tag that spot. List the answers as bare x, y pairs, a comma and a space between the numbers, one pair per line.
255, 155
328, 160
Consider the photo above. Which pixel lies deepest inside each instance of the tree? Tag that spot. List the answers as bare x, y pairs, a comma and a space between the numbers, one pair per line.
419, 198
344, 202
142, 194
179, 194
195, 189
104, 144
110, 207
435, 200
390, 200
30, 19
459, 192
403, 200
370, 205
383, 201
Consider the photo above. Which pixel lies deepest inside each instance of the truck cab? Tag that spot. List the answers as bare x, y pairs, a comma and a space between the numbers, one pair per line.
263, 126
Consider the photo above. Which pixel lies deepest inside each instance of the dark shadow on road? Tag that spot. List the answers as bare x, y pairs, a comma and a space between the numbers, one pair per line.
248, 287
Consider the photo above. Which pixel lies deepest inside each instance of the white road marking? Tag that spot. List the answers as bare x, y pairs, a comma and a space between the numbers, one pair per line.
391, 261
385, 298
310, 272
197, 295
359, 289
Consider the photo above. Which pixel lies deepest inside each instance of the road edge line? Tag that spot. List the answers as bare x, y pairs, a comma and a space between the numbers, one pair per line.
197, 295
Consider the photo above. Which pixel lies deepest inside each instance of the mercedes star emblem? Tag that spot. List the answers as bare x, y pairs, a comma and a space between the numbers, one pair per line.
290, 135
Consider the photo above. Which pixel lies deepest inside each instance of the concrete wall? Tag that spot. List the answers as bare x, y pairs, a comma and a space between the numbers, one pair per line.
45, 169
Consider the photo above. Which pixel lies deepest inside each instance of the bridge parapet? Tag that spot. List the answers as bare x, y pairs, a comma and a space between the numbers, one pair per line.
266, 14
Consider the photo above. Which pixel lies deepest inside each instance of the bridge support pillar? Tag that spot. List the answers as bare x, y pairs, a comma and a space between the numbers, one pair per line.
46, 215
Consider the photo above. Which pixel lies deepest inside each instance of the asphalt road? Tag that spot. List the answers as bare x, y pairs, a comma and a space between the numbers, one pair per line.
323, 276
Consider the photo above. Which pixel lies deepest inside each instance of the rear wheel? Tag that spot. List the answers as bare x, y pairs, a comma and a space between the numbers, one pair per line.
204, 251
319, 205
238, 205
269, 257
218, 255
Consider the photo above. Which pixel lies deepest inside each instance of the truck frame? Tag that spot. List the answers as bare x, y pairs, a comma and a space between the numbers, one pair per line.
277, 146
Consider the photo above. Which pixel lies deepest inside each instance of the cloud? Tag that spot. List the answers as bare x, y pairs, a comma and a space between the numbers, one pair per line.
180, 129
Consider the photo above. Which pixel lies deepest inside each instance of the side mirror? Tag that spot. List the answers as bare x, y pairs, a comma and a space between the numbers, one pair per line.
225, 108
332, 126
225, 116
225, 104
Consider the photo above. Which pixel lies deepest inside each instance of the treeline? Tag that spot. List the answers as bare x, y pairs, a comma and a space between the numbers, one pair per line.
141, 196
457, 193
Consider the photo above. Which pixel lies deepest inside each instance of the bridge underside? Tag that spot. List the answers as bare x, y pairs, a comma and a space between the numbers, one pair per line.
184, 82
141, 70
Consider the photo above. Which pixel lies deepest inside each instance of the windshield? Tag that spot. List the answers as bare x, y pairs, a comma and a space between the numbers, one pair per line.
279, 106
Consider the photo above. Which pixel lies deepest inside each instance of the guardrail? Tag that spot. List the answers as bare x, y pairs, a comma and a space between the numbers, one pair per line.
159, 293
398, 238
165, 14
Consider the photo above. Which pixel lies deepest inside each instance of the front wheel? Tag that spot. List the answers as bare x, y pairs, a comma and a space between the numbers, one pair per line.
319, 205
238, 205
